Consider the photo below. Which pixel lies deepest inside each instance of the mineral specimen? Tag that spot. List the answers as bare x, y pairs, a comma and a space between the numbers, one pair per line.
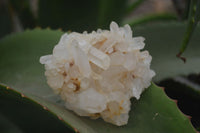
97, 73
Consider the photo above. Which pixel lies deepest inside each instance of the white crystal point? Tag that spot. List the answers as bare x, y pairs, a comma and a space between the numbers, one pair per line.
99, 58
96, 74
128, 31
45, 59
81, 59
137, 43
63, 38
114, 27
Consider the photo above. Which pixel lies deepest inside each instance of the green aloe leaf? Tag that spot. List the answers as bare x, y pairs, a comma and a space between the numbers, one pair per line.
187, 92
149, 114
154, 112
151, 18
162, 41
20, 113
194, 17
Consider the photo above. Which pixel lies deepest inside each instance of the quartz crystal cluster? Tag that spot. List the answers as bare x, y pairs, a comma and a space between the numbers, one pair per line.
97, 73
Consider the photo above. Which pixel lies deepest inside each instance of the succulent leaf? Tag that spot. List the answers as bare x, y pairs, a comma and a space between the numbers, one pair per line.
154, 112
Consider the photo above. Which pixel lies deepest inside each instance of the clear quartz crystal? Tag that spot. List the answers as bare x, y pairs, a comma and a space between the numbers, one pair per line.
97, 73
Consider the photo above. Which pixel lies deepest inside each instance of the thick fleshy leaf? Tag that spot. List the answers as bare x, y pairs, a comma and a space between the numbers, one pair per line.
162, 41
147, 115
154, 112
194, 17
187, 92
21, 114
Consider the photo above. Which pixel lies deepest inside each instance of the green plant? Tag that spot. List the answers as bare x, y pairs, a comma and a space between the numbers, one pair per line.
27, 104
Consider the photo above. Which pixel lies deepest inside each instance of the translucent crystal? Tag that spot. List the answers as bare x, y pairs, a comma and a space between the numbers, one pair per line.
97, 73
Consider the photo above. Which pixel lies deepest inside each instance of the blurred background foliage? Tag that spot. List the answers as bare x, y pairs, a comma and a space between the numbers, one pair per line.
70, 15
81, 15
